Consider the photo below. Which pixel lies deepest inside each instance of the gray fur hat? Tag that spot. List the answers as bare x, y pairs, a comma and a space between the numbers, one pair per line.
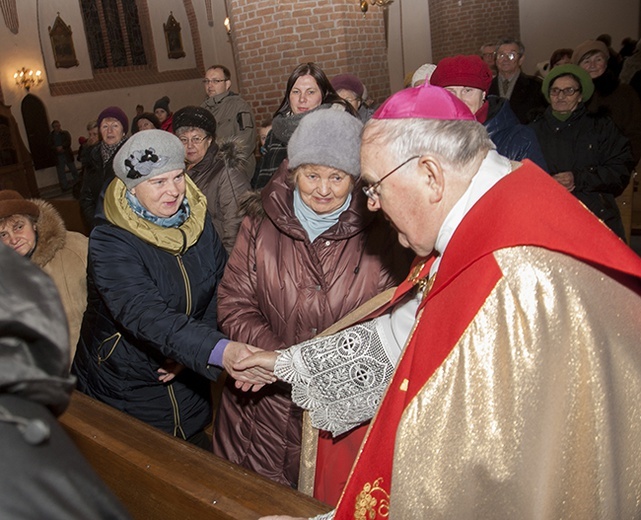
147, 154
329, 137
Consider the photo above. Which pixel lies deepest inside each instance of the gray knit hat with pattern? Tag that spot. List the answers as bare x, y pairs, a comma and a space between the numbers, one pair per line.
329, 137
148, 154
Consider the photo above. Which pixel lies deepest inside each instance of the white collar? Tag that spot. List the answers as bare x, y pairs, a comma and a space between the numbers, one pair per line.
493, 168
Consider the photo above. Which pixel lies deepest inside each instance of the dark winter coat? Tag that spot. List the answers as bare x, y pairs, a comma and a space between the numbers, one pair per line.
593, 149
152, 297
512, 139
95, 177
278, 290
621, 103
42, 476
526, 100
65, 143
221, 176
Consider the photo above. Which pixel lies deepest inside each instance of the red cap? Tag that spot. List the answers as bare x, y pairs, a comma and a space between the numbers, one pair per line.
462, 71
424, 102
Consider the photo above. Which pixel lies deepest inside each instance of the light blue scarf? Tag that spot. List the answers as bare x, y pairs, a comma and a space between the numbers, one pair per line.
313, 223
176, 220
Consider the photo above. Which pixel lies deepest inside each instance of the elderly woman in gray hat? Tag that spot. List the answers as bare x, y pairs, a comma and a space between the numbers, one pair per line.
308, 252
155, 263
218, 169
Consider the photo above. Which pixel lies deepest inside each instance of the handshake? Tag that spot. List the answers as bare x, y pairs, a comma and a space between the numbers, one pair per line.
251, 367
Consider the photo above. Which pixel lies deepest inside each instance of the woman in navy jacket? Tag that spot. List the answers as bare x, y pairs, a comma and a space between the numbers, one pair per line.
155, 262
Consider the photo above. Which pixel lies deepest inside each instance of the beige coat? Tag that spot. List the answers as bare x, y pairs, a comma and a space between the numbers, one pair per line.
62, 255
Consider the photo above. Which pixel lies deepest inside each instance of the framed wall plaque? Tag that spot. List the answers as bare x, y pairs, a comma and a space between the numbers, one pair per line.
173, 38
64, 53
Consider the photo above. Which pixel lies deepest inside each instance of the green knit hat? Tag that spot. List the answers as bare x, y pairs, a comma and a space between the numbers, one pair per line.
587, 87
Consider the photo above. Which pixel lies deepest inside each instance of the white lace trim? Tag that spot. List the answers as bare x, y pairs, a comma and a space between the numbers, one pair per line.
340, 379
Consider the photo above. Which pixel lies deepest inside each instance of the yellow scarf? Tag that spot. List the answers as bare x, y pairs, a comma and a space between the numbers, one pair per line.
173, 240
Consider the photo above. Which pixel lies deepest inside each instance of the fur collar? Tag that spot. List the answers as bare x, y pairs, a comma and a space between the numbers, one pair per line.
52, 233
219, 156
230, 151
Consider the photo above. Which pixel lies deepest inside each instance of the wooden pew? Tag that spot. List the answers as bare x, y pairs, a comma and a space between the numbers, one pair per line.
158, 476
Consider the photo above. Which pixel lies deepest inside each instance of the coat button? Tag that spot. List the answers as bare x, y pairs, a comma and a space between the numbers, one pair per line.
327, 242
317, 287
314, 331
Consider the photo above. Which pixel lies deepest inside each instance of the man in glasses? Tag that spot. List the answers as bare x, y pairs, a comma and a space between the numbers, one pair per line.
523, 91
233, 114
516, 390
488, 53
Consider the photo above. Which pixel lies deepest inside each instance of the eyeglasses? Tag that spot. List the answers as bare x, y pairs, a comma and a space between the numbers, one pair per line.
196, 140
567, 92
509, 55
208, 81
371, 190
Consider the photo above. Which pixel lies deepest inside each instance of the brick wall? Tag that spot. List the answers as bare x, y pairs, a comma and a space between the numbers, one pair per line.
271, 37
462, 26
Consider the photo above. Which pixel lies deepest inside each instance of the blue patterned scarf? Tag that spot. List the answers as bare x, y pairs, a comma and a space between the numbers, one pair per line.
176, 220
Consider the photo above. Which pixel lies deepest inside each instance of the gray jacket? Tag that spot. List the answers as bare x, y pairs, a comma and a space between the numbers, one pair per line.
234, 119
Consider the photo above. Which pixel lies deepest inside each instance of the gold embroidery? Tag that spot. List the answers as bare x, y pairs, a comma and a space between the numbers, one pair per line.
366, 504
415, 272
424, 283
404, 385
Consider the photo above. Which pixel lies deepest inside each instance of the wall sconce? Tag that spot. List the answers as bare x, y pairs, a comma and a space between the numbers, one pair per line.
380, 3
227, 25
27, 78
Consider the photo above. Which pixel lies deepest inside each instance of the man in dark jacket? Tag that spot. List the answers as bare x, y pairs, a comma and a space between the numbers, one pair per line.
523, 91
60, 144
42, 474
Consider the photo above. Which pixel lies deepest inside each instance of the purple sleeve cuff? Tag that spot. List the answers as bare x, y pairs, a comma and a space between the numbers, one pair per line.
216, 356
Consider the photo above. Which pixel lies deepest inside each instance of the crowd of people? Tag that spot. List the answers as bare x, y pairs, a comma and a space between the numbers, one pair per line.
488, 320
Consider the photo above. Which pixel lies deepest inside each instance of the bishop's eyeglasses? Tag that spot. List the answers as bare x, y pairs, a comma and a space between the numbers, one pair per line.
372, 190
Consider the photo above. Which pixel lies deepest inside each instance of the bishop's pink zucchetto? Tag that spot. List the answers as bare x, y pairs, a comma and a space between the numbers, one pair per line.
424, 102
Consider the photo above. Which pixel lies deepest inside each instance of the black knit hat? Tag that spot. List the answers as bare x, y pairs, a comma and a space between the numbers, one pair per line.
145, 115
163, 103
196, 117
